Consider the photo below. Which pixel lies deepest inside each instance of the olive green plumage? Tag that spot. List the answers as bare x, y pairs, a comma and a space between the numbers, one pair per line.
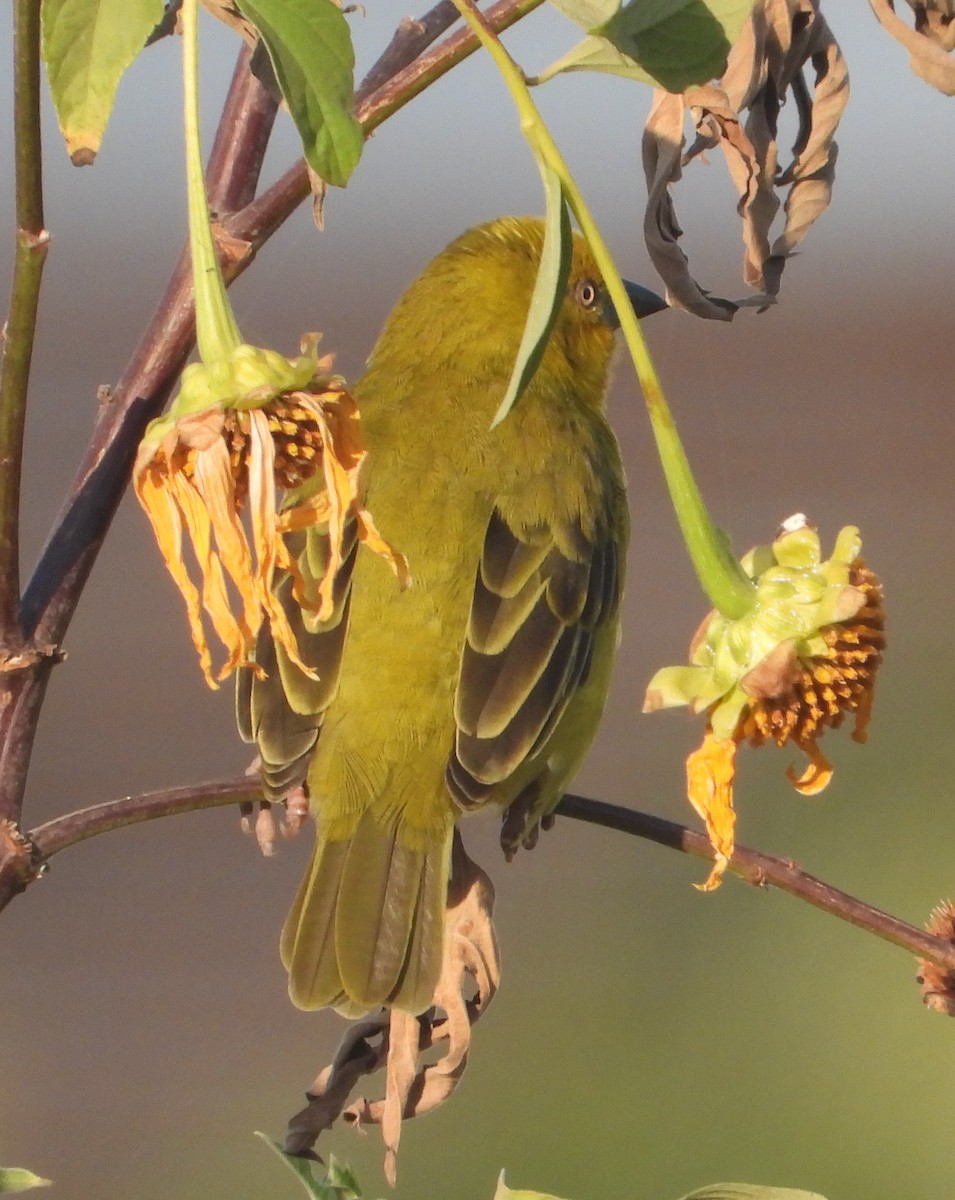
484, 681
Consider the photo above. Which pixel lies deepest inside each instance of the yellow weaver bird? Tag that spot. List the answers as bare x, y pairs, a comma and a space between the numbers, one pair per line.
483, 683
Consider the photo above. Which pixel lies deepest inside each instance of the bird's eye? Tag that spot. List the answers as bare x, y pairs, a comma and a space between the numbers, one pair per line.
586, 293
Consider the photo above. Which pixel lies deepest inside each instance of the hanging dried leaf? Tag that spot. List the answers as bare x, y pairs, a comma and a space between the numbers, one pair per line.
929, 43
396, 1040
765, 66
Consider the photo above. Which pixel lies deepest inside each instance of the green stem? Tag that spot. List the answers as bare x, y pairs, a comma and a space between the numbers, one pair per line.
18, 337
720, 575
217, 333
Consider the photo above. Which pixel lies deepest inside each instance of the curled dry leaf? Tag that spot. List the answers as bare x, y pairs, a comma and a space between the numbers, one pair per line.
929, 43
739, 114
396, 1040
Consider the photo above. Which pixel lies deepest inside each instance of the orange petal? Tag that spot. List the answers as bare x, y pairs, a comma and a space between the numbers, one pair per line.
368, 533
313, 511
213, 480
815, 778
710, 772
164, 516
342, 459
270, 549
860, 732
215, 598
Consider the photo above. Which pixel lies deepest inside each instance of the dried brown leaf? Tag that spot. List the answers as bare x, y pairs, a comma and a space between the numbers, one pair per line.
356, 1056
928, 43
764, 67
774, 675
936, 19
662, 165
319, 190
400, 1077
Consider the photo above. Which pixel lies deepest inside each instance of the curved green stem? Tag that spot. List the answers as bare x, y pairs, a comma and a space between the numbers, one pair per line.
217, 333
17, 338
720, 575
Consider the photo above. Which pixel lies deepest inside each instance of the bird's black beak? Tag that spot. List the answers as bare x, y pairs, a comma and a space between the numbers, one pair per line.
645, 303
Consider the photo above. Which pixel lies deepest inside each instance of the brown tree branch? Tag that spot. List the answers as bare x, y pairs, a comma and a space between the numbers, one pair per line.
23, 858
413, 35
19, 868
763, 870
69, 830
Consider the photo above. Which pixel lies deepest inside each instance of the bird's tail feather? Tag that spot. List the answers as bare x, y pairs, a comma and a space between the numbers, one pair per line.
367, 926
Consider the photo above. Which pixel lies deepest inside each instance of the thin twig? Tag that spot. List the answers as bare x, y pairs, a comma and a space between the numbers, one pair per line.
23, 858
763, 870
413, 35
73, 828
376, 107
32, 241
232, 174
752, 866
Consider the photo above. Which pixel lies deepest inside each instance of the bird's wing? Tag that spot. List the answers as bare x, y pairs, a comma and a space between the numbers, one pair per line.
541, 596
282, 711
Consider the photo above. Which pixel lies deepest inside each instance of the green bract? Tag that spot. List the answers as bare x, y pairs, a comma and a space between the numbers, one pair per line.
248, 377
734, 662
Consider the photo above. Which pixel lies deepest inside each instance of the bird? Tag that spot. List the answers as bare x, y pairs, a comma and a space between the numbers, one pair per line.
482, 683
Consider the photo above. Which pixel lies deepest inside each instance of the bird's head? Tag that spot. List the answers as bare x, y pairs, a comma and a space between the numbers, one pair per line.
467, 310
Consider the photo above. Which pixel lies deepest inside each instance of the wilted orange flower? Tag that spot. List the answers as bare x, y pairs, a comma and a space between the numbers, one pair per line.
799, 662
199, 469
811, 695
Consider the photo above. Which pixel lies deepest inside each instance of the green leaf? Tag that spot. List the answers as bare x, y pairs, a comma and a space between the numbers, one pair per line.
548, 294
503, 1192
587, 13
673, 44
750, 1191
16, 1179
87, 45
339, 1182
310, 46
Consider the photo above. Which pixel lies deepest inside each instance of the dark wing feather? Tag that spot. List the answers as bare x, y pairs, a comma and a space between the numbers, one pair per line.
283, 712
538, 603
